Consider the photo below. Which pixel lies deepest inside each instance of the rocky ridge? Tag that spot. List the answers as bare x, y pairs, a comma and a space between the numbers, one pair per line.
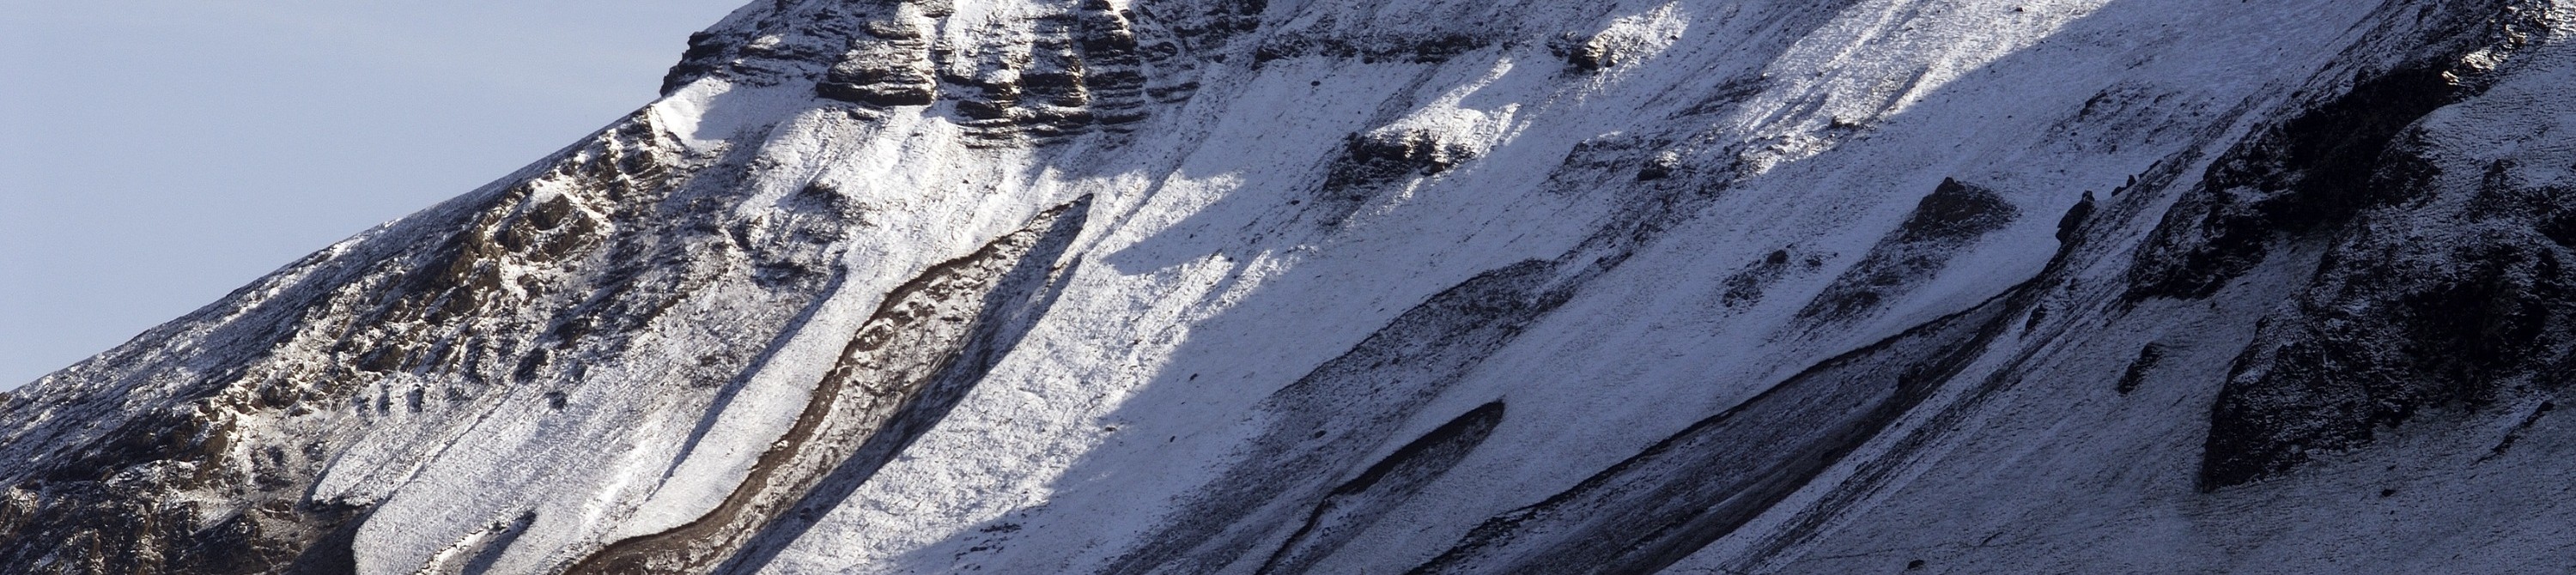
1430, 286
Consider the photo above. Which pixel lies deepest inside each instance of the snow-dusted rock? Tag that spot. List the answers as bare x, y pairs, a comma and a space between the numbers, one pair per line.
1431, 286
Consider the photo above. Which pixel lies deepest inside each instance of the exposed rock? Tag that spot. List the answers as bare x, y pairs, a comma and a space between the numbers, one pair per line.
1943, 223
889, 66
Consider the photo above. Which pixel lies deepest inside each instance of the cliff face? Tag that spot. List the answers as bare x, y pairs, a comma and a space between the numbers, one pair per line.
1422, 286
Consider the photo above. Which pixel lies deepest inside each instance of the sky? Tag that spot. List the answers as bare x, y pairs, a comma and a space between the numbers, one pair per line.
156, 154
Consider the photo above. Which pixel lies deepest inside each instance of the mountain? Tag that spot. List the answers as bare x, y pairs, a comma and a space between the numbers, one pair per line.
1417, 286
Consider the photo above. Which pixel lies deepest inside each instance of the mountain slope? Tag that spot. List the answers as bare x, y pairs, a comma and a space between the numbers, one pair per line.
1422, 286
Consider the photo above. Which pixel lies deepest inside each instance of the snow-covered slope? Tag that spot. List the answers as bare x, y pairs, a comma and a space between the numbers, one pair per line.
1430, 286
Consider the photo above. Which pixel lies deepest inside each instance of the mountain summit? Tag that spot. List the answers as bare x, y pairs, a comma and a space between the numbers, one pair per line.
1417, 286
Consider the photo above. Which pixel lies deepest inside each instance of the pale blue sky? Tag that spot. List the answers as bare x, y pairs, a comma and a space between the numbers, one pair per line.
156, 154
